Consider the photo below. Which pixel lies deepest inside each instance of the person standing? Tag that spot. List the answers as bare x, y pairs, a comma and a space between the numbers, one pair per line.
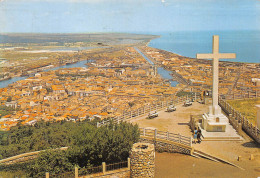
195, 134
199, 135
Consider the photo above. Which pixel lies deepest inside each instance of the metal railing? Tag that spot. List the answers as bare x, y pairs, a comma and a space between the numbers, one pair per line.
92, 170
69, 174
120, 165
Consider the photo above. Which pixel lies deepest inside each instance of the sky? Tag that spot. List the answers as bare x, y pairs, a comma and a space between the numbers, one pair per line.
82, 16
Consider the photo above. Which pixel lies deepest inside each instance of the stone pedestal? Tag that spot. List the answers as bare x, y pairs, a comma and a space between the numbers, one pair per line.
214, 122
142, 160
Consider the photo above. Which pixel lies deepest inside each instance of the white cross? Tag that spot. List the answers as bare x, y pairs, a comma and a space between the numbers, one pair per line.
216, 56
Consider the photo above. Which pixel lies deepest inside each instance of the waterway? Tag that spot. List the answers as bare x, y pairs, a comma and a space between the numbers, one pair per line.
160, 70
5, 83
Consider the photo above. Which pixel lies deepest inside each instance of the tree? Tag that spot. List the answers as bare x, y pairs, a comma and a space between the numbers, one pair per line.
131, 104
53, 161
88, 145
9, 99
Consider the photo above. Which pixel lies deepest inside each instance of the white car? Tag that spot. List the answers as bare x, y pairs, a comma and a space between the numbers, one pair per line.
187, 103
171, 108
152, 115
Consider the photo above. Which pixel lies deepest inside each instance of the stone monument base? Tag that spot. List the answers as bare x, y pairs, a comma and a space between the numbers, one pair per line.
217, 127
216, 122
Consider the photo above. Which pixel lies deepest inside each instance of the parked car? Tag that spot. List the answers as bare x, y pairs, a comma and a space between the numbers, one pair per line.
187, 103
171, 108
152, 115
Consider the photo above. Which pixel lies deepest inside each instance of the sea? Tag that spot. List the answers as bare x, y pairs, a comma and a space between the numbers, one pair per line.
246, 44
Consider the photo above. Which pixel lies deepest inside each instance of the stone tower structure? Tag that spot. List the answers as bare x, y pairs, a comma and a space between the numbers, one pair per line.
142, 160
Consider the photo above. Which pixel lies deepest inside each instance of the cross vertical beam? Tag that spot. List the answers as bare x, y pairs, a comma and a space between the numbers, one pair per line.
215, 51
215, 68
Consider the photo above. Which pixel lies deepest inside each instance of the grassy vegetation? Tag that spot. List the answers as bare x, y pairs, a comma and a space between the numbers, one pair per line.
246, 107
17, 55
19, 174
88, 146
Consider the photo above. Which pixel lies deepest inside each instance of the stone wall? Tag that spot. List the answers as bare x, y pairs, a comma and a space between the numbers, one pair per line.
168, 146
142, 160
24, 157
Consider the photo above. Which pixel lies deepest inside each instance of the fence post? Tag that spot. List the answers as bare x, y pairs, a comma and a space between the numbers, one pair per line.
179, 138
167, 135
155, 134
128, 163
104, 167
47, 175
190, 141
144, 131
230, 117
240, 128
76, 172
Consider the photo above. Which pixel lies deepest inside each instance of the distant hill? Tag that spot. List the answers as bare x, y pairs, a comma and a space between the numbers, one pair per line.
108, 38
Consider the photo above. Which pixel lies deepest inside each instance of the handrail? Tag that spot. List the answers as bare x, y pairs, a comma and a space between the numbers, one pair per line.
168, 136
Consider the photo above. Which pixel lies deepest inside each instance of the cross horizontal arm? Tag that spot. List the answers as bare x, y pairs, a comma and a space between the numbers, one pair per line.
205, 56
227, 55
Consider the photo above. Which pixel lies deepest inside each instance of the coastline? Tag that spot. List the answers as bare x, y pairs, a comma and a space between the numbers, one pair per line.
189, 43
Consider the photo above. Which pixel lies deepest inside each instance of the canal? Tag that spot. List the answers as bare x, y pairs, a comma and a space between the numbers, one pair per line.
160, 70
5, 83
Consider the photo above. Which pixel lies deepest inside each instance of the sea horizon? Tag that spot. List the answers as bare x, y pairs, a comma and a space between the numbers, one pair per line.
245, 43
